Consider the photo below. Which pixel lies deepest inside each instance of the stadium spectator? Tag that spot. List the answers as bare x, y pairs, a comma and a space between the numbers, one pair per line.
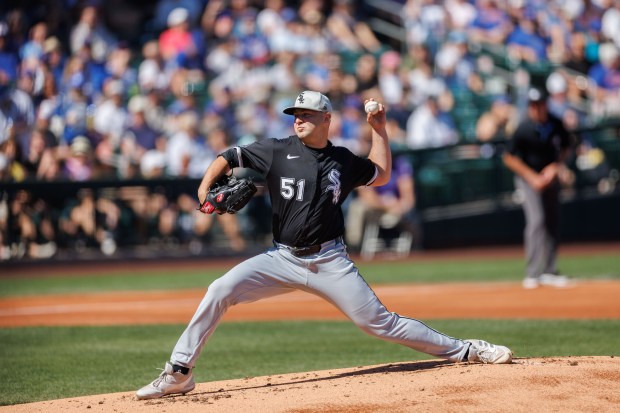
491, 25
366, 75
41, 140
184, 145
110, 116
177, 38
165, 7
118, 66
454, 64
32, 228
9, 61
17, 112
90, 221
576, 58
10, 153
498, 122
525, 43
560, 104
610, 22
152, 73
390, 80
54, 58
349, 29
79, 164
139, 137
430, 125
461, 13
91, 33
426, 24
394, 201
605, 82
34, 49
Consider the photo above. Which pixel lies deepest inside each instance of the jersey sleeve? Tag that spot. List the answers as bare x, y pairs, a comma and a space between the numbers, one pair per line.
256, 156
565, 136
514, 146
367, 171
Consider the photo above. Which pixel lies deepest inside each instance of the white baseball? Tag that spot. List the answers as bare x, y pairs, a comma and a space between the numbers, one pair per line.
371, 107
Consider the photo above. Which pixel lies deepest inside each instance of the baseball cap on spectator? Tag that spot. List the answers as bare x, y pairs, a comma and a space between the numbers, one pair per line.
447, 57
310, 100
152, 163
51, 44
573, 8
556, 83
535, 95
80, 145
434, 88
608, 53
115, 87
177, 16
137, 104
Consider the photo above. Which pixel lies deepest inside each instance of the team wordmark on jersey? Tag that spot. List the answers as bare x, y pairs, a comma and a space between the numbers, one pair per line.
334, 178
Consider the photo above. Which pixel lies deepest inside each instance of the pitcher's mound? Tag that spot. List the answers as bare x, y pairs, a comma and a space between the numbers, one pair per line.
566, 384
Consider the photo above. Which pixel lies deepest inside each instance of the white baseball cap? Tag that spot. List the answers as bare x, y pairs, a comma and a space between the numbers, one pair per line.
311, 100
177, 16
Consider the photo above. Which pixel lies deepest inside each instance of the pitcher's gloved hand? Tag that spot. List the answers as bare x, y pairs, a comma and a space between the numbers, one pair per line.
228, 195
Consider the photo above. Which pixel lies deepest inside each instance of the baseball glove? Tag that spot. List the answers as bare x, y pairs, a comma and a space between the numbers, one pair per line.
228, 195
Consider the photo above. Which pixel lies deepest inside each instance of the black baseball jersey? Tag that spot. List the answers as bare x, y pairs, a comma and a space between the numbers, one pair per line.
539, 144
307, 186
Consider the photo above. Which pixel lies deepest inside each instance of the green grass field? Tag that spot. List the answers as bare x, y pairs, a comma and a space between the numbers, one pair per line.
55, 362
496, 269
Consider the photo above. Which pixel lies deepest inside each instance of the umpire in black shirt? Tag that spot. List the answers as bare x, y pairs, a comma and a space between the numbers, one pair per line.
535, 154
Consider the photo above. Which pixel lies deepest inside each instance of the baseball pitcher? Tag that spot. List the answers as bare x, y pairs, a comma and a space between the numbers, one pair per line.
308, 179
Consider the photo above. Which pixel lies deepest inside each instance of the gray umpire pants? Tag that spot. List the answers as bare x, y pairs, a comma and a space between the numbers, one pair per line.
329, 274
542, 228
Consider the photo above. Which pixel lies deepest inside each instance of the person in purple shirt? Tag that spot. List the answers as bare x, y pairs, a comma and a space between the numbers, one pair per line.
394, 201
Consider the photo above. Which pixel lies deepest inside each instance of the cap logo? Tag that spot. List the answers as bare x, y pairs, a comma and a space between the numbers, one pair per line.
310, 100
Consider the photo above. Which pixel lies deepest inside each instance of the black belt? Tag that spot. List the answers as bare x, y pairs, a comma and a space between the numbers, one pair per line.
305, 251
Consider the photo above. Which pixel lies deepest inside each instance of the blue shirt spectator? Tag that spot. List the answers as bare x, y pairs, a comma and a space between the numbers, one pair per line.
525, 43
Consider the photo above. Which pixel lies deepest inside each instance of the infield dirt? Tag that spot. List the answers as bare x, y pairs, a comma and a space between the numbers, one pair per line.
569, 384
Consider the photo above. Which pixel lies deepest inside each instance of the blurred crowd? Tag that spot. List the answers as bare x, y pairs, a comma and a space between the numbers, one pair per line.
79, 102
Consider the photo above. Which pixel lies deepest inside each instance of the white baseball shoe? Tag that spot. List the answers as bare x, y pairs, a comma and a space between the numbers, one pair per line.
553, 280
482, 352
529, 283
168, 382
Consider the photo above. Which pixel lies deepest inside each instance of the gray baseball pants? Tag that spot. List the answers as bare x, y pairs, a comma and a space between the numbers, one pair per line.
329, 274
541, 235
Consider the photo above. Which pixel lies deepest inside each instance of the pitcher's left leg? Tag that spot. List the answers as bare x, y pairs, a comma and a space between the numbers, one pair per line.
338, 281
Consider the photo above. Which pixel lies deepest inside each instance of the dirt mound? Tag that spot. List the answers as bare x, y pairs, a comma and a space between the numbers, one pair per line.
566, 384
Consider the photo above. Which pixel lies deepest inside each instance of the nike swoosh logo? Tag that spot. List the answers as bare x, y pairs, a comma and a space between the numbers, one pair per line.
289, 156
